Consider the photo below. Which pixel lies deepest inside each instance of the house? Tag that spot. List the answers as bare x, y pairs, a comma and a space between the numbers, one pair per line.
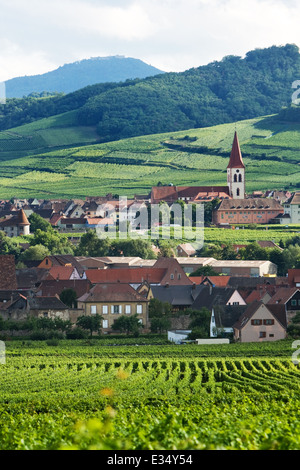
62, 260
92, 262
48, 307
179, 297
16, 225
291, 214
133, 276
113, 300
16, 305
294, 277
188, 194
52, 288
261, 323
223, 319
68, 223
99, 222
185, 250
289, 298
175, 274
190, 265
30, 278
246, 211
210, 297
8, 278
245, 268
64, 273
13, 305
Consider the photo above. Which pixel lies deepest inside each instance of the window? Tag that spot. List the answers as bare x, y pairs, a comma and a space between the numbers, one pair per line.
127, 309
293, 303
105, 309
269, 322
139, 309
240, 179
172, 276
262, 334
178, 276
238, 191
256, 322
93, 309
104, 323
45, 314
116, 309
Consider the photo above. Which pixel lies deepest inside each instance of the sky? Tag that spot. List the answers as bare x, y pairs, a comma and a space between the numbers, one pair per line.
37, 36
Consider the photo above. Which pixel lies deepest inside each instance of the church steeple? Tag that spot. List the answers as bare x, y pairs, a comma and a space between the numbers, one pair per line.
236, 159
236, 171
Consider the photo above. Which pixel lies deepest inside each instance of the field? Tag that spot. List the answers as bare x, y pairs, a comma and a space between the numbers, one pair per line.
53, 158
91, 395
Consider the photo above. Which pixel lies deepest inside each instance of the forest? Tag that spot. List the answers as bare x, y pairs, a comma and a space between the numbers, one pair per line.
229, 90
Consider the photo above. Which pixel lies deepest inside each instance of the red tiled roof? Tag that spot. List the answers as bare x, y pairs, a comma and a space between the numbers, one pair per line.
236, 160
8, 278
115, 292
127, 275
60, 272
283, 295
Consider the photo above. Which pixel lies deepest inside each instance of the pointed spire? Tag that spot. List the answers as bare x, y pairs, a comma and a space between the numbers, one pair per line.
236, 160
22, 219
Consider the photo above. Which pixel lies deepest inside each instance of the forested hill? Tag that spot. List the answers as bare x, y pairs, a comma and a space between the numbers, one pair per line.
226, 91
72, 77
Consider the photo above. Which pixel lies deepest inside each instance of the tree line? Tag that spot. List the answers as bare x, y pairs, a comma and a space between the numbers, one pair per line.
229, 90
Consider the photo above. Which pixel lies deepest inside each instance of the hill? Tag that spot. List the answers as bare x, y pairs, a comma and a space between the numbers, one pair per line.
51, 158
230, 90
72, 77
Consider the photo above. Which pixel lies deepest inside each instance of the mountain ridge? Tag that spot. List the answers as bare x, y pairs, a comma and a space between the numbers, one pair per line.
73, 76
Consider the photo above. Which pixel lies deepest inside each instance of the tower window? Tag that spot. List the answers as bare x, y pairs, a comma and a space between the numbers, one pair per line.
240, 178
238, 191
235, 178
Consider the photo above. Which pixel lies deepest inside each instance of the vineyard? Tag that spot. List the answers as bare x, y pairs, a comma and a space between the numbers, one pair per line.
88, 395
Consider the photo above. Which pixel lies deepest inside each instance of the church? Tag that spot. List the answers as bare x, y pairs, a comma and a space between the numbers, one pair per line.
235, 184
234, 207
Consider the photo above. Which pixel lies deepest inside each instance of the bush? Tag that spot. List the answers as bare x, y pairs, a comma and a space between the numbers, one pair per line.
52, 342
77, 333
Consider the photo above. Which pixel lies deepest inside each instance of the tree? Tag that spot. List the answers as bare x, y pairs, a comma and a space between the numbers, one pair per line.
132, 247
127, 324
69, 298
37, 252
90, 322
200, 322
91, 245
8, 246
204, 271
38, 222
157, 308
55, 242
160, 324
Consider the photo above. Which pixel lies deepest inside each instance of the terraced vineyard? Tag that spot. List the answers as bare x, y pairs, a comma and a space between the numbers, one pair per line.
81, 396
73, 165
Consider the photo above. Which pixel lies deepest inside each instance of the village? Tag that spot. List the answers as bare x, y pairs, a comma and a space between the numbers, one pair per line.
246, 300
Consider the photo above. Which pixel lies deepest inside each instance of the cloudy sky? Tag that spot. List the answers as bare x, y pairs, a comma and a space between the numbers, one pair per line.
174, 35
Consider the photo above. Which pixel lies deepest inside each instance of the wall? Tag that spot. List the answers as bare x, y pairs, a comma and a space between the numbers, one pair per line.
251, 333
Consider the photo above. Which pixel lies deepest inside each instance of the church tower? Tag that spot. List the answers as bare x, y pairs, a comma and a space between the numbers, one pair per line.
236, 171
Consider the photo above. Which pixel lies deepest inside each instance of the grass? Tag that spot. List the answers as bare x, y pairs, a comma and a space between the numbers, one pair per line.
71, 164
